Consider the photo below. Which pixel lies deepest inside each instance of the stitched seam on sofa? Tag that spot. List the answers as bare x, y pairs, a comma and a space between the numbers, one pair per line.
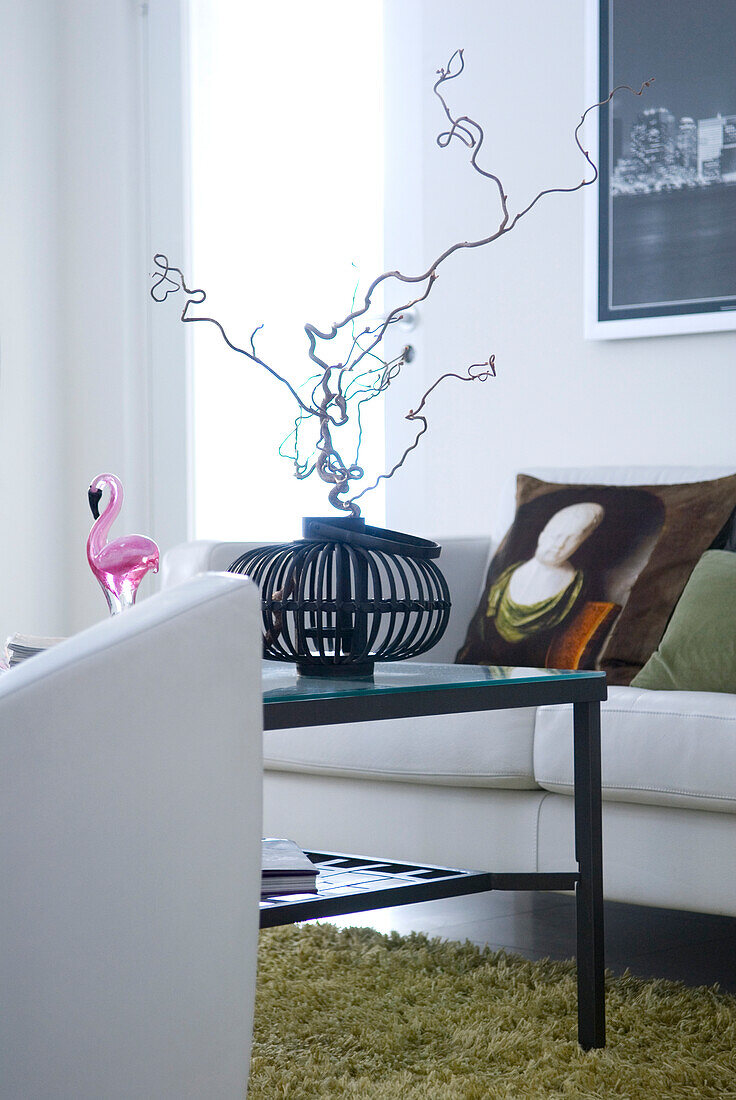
668, 714
525, 784
542, 800
655, 790
392, 771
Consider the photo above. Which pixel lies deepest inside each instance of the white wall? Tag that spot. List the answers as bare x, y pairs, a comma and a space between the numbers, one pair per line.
558, 399
77, 394
31, 384
102, 276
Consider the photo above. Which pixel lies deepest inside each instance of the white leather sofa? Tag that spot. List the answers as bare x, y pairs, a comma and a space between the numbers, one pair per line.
494, 791
130, 825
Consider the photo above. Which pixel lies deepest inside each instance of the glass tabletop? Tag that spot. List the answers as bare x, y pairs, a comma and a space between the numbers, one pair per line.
281, 682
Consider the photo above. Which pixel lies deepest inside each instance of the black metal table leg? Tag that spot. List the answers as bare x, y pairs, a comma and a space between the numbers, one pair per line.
589, 893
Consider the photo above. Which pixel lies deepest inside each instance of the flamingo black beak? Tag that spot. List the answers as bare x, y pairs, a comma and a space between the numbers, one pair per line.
94, 496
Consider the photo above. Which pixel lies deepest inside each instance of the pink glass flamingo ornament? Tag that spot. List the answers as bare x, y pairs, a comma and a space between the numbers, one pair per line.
120, 565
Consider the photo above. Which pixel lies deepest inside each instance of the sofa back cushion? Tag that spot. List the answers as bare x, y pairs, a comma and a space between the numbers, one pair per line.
588, 574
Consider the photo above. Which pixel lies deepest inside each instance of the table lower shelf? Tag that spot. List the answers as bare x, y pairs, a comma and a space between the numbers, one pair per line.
355, 884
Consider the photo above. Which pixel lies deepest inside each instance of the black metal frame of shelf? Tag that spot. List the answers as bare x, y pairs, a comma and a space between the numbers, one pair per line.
380, 884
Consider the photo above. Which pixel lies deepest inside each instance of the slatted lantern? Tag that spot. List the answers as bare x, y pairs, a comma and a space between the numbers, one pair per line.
347, 595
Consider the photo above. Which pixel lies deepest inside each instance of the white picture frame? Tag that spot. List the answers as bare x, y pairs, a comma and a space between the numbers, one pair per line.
605, 318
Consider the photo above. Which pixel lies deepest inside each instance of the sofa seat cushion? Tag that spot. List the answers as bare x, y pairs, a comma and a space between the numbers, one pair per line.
491, 749
666, 748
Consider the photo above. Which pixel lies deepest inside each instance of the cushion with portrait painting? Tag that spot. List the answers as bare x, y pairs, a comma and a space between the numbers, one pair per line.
587, 575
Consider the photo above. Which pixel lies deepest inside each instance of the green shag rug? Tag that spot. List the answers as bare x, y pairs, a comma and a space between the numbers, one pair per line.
354, 1013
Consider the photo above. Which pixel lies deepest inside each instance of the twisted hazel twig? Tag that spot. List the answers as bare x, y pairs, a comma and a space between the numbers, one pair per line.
486, 371
462, 129
165, 285
337, 384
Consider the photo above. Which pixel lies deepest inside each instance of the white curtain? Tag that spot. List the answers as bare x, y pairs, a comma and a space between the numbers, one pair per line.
287, 205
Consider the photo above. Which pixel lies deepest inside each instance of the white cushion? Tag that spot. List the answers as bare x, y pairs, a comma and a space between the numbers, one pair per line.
451, 826
464, 562
666, 748
492, 749
202, 556
652, 855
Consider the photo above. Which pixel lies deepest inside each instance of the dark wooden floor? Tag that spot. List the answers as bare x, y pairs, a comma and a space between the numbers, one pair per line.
695, 948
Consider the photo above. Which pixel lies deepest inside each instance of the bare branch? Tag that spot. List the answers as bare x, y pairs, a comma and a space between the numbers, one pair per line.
339, 391
392, 317
506, 224
485, 371
586, 154
253, 337
196, 298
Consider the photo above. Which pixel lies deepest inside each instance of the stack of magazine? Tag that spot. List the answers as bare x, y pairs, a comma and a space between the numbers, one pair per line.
19, 647
285, 869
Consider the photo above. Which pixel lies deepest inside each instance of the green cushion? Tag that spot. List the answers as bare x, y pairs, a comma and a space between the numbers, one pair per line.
698, 650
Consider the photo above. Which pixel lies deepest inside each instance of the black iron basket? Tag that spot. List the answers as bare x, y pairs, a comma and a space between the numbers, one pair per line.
347, 595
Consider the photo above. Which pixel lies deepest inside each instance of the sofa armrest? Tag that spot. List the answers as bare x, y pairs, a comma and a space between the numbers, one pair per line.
130, 855
464, 563
203, 556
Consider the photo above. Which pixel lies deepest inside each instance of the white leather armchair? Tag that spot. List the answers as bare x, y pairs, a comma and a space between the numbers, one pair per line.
130, 825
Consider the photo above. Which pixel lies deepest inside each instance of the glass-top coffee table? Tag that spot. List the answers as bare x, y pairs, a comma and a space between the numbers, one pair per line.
354, 883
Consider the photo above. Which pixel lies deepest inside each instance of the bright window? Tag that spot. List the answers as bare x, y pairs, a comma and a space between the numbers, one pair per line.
287, 205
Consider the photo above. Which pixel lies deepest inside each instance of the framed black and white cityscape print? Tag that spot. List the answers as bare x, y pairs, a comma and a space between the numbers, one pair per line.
662, 227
